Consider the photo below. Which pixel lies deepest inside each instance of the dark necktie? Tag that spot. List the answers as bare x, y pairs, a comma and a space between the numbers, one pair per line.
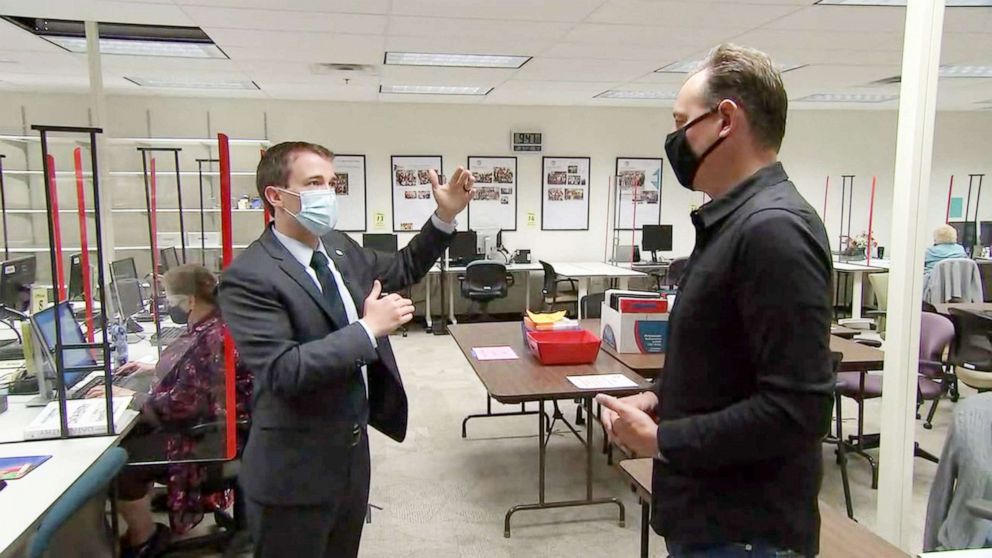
356, 388
330, 287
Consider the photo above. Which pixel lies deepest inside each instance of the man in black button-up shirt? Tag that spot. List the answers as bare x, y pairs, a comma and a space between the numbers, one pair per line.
746, 395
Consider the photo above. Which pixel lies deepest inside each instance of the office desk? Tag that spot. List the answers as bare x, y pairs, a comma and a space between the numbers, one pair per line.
858, 272
582, 272
526, 269
839, 536
972, 306
33, 495
524, 380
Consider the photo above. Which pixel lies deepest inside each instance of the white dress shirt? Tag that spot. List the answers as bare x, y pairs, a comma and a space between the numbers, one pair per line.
303, 254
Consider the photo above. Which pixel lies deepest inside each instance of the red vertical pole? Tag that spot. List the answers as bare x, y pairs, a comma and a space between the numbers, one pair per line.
58, 274
84, 256
227, 243
950, 188
871, 215
826, 193
153, 219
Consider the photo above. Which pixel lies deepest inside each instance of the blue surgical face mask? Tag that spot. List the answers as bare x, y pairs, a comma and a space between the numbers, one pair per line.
318, 210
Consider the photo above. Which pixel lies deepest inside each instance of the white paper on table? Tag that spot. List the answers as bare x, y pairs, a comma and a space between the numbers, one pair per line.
602, 381
494, 353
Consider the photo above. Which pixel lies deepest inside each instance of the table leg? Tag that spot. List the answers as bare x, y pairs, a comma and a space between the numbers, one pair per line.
856, 295
588, 501
489, 413
427, 312
645, 527
583, 291
526, 290
451, 299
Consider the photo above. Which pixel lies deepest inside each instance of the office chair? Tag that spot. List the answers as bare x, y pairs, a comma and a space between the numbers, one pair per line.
964, 284
985, 272
550, 290
51, 539
936, 334
483, 282
971, 353
836, 358
862, 387
675, 271
592, 305
232, 536
880, 287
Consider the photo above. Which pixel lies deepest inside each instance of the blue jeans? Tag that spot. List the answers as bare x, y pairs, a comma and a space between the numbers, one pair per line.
732, 550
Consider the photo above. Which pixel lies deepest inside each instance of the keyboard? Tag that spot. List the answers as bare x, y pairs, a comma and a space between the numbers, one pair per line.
95, 378
12, 351
168, 335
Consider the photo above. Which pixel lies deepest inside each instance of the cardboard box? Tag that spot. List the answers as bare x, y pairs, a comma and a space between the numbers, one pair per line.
634, 332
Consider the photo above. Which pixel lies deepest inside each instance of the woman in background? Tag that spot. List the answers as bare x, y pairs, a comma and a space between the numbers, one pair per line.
945, 247
186, 392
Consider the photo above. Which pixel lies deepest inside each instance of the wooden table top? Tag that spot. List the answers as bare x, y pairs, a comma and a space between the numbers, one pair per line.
839, 536
857, 357
974, 307
526, 379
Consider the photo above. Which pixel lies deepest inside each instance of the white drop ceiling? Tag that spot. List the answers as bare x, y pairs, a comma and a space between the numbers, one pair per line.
580, 48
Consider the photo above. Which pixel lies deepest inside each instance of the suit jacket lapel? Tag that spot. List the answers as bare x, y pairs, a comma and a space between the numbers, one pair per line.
338, 251
291, 267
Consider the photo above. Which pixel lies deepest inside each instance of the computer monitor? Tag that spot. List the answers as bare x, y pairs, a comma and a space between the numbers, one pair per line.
967, 234
464, 246
123, 269
75, 276
985, 229
43, 323
168, 259
380, 242
16, 277
656, 238
127, 296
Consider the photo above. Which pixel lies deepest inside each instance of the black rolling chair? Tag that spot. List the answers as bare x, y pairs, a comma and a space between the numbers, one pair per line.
485, 281
232, 536
552, 295
592, 305
971, 351
675, 271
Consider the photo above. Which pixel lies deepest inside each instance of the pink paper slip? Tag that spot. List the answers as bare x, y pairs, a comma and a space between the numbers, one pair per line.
494, 353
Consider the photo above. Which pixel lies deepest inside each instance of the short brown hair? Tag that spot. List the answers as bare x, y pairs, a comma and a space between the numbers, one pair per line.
747, 76
273, 169
192, 280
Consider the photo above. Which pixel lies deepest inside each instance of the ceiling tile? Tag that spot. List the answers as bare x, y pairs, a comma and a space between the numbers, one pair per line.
781, 40
844, 18
545, 10
281, 20
318, 47
566, 69
349, 6
425, 75
688, 14
465, 44
658, 54
120, 11
647, 35
504, 30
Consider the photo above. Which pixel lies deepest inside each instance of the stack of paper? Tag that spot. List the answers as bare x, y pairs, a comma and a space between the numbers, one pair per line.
85, 417
494, 353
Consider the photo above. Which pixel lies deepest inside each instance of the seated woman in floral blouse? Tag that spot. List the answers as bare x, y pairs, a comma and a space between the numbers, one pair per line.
187, 391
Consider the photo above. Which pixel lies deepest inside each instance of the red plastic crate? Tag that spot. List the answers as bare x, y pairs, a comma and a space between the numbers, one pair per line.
563, 347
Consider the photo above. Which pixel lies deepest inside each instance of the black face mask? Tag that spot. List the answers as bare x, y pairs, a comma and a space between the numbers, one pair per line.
684, 162
178, 315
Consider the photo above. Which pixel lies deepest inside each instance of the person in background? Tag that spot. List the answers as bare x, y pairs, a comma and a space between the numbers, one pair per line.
747, 393
945, 247
185, 392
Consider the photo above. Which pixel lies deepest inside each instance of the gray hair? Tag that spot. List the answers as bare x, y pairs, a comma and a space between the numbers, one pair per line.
748, 76
945, 234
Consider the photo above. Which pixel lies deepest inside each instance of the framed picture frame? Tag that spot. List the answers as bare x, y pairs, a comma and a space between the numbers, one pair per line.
638, 192
565, 189
495, 202
351, 189
413, 196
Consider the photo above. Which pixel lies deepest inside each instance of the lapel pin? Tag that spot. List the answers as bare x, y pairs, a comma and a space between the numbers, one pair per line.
339, 252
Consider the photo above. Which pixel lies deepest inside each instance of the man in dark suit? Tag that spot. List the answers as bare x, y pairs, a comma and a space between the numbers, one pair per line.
304, 306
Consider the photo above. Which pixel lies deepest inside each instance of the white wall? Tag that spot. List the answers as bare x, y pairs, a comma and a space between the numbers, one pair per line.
817, 143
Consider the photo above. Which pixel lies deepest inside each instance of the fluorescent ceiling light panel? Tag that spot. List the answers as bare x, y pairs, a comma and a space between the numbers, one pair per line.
645, 95
132, 47
846, 98
690, 65
193, 83
456, 60
965, 71
902, 3
435, 89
